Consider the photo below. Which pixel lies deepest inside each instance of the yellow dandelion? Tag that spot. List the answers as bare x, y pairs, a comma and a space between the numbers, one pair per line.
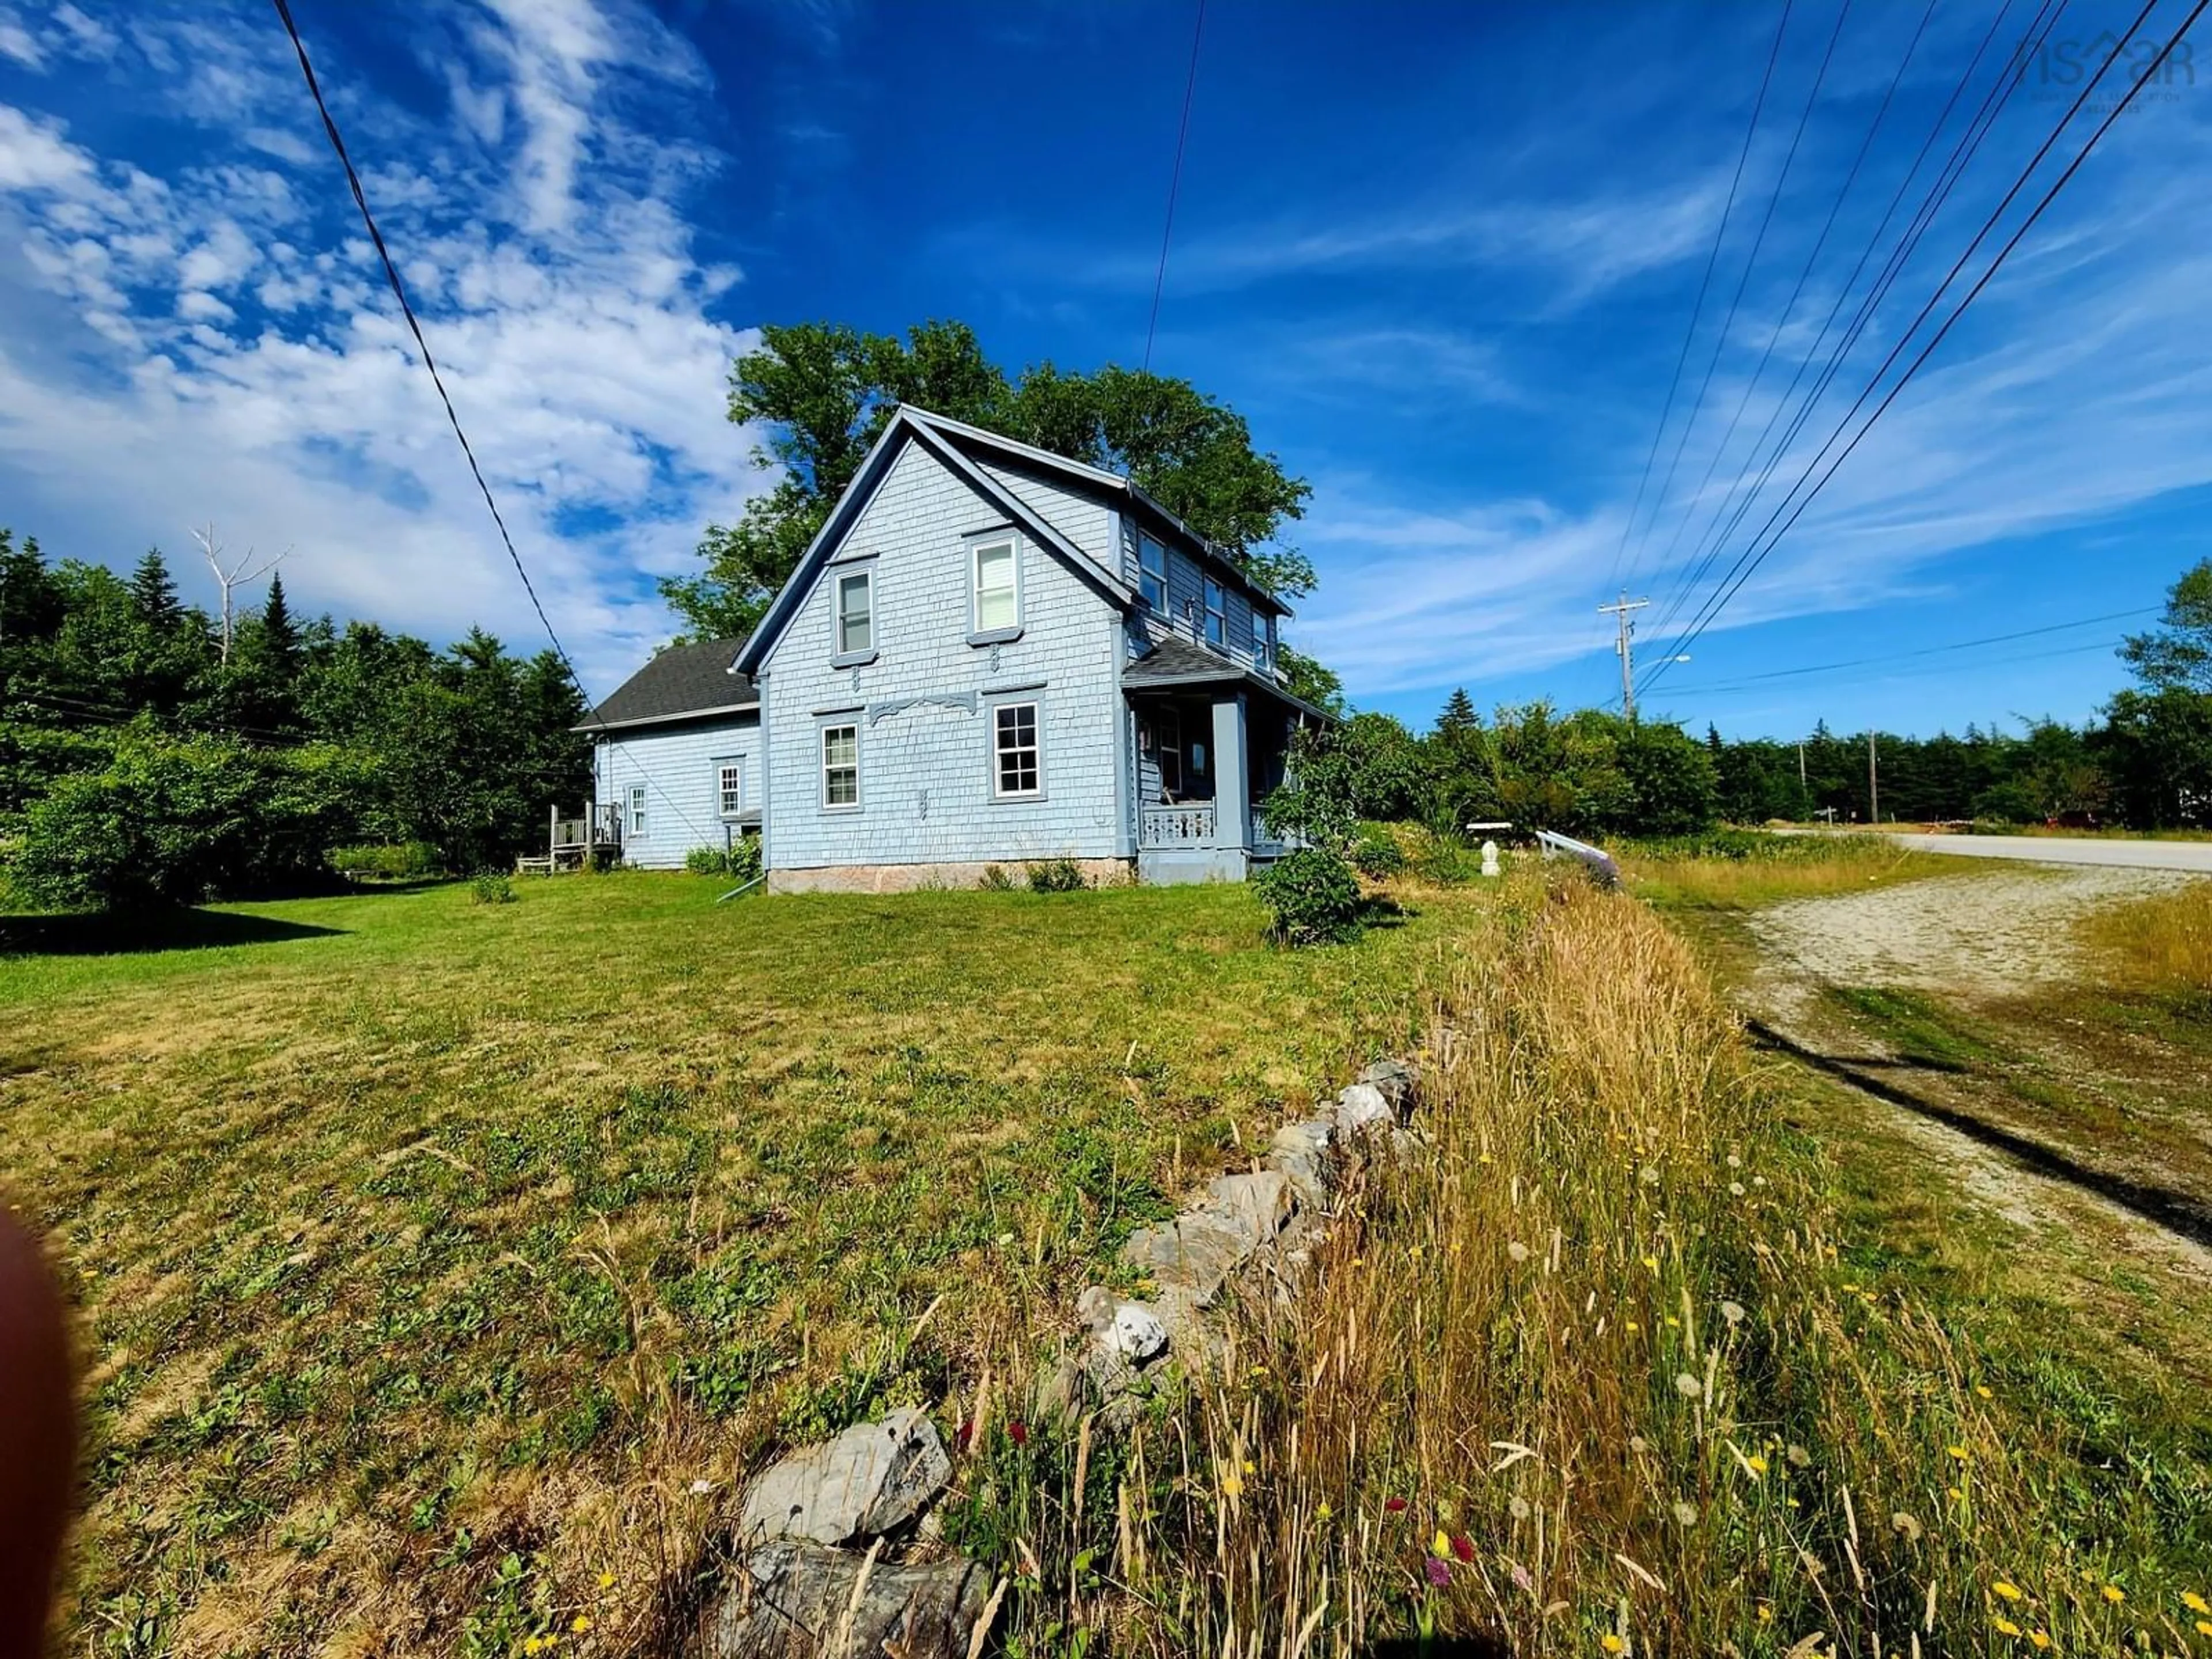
1755, 1463
1673, 1323
1633, 1328
1324, 1512
1259, 1371
2113, 1593
1652, 1262
2041, 1638
1414, 1251
2010, 1592
1984, 1392
1612, 1644
531, 1644
1958, 1452
1765, 1613
1955, 1492
1231, 1486
2007, 1627
2195, 1602
1250, 1468
581, 1623
2204, 1627
606, 1581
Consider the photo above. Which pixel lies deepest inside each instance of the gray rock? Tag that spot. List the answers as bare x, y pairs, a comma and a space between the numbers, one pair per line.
1393, 1080
794, 1597
1193, 1253
1136, 1333
1360, 1106
1258, 1204
1300, 1151
873, 1477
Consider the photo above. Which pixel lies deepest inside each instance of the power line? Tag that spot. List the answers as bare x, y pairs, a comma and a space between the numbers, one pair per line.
1790, 307
1738, 688
1953, 168
1174, 183
1735, 300
415, 327
1749, 563
1925, 651
1698, 307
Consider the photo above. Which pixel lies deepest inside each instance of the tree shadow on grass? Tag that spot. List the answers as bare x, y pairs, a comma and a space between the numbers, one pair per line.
133, 933
2178, 1212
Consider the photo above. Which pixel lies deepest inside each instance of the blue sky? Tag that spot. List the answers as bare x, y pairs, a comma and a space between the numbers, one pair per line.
1443, 259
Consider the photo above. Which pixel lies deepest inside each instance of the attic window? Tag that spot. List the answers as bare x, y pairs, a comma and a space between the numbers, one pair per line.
997, 600
856, 621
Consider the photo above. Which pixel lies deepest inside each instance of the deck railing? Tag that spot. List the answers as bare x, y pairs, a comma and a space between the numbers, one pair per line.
1190, 825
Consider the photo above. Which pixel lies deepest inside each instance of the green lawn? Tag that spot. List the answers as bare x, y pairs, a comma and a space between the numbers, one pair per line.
430, 1252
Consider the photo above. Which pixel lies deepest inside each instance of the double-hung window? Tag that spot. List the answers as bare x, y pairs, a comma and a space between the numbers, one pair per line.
840, 766
1261, 655
997, 580
1153, 572
1217, 613
1014, 769
637, 811
855, 597
730, 788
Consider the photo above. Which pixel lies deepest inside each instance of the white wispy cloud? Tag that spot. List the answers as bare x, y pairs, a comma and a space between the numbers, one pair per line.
209, 338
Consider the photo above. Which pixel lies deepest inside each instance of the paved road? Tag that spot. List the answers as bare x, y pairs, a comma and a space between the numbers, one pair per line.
2191, 855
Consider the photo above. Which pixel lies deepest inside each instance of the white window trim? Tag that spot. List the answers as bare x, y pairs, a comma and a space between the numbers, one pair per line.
1145, 541
1217, 617
822, 763
839, 575
722, 791
1002, 632
1035, 707
637, 813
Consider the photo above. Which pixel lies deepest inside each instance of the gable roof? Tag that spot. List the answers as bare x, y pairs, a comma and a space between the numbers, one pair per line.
682, 683
949, 441
908, 424
1115, 483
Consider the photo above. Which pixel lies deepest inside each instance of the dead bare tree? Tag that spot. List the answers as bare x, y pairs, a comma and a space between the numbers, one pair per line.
232, 579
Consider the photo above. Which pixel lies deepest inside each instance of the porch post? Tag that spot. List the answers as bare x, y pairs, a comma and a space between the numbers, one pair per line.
1232, 788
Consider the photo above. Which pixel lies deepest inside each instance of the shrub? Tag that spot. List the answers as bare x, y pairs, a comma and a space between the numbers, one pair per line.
174, 821
1378, 854
406, 861
741, 861
491, 888
1313, 896
995, 879
1057, 876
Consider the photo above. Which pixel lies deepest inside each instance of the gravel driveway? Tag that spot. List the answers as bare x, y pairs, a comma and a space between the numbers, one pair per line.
1977, 933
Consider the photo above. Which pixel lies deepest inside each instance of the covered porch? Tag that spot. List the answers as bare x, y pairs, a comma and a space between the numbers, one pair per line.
1210, 742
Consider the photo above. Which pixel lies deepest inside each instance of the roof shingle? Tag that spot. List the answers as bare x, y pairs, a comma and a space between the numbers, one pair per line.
683, 681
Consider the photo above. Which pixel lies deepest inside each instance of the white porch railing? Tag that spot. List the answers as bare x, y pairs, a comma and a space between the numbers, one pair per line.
1178, 826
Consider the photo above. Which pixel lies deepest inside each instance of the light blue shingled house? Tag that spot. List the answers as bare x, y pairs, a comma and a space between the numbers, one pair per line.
989, 655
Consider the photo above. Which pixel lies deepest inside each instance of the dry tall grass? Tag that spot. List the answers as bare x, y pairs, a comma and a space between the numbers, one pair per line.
1588, 1378
2163, 943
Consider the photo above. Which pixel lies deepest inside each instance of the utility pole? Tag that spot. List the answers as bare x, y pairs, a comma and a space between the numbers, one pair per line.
1624, 646
1874, 783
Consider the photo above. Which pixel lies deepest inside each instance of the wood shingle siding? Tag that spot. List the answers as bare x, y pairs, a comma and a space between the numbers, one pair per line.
923, 705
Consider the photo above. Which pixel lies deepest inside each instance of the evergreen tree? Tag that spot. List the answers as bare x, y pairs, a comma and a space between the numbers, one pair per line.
1458, 717
155, 594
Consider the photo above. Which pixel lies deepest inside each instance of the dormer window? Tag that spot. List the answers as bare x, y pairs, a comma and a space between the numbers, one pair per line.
1217, 613
1153, 572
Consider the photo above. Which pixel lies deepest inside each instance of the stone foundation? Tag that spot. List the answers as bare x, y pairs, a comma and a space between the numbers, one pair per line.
924, 877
